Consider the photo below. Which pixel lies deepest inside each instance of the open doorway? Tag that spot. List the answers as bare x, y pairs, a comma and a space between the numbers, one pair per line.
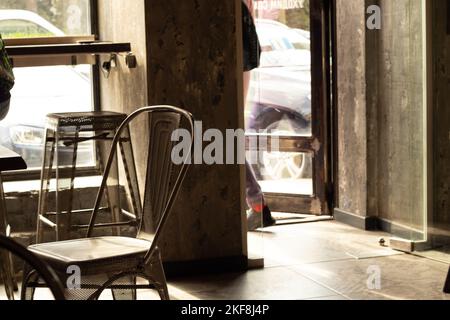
290, 100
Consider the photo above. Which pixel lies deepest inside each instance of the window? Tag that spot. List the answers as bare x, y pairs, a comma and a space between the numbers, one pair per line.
39, 89
56, 17
22, 28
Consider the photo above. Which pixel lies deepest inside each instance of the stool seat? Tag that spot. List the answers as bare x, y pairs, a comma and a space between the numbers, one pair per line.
86, 121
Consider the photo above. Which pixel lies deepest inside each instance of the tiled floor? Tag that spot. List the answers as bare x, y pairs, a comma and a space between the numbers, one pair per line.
320, 261
324, 260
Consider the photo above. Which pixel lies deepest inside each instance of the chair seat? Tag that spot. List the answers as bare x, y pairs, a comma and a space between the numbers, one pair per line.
109, 251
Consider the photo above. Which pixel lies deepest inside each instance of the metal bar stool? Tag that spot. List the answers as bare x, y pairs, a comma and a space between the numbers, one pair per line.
64, 134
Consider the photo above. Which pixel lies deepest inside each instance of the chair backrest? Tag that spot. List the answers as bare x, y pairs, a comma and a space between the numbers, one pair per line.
159, 169
43, 270
163, 182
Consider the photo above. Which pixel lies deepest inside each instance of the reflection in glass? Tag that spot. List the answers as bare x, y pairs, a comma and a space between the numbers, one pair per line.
35, 18
280, 93
279, 102
38, 92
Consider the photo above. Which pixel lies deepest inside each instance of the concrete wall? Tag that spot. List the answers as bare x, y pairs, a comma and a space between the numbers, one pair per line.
352, 133
126, 89
381, 112
187, 55
193, 63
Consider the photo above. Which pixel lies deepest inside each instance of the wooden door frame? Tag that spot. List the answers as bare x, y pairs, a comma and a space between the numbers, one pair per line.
321, 143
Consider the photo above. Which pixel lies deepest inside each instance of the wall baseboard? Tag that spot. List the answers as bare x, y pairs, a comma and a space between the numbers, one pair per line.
400, 231
378, 224
359, 222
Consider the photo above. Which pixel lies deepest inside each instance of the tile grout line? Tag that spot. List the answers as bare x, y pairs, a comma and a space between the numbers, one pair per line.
351, 258
321, 284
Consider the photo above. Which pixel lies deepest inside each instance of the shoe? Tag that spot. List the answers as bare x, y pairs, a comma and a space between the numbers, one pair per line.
268, 220
254, 219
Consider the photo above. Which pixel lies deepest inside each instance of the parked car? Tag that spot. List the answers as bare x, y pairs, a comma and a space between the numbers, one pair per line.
39, 91
23, 23
280, 97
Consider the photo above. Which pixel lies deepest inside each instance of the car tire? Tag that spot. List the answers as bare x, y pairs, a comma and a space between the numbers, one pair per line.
291, 166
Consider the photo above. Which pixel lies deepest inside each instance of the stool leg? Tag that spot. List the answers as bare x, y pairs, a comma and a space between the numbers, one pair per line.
64, 188
126, 149
46, 176
72, 182
112, 190
6, 274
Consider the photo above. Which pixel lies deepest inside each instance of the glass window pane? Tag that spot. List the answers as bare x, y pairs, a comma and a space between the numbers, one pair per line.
38, 92
402, 165
37, 18
279, 98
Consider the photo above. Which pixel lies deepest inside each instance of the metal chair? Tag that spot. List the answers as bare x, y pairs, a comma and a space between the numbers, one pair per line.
46, 273
116, 262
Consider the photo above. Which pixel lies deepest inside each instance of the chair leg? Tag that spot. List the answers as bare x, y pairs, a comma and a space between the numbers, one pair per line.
6, 274
155, 271
46, 176
14, 280
30, 276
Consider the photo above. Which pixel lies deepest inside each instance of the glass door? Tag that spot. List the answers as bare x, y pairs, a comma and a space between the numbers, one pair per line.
289, 103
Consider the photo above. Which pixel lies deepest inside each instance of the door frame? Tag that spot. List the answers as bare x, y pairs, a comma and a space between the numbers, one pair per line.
321, 143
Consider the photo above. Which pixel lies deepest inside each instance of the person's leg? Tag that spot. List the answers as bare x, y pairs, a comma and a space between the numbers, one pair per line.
255, 196
254, 193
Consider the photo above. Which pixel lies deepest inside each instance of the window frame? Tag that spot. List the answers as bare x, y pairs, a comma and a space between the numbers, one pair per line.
35, 174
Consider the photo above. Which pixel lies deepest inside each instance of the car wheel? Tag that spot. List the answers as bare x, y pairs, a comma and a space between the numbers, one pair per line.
285, 165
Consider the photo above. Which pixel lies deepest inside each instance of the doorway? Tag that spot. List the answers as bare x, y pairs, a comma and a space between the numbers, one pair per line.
290, 103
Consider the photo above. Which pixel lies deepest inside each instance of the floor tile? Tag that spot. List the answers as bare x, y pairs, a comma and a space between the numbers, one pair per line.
268, 284
317, 242
402, 277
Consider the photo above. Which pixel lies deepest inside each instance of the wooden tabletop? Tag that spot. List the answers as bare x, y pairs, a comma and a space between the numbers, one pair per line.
10, 161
